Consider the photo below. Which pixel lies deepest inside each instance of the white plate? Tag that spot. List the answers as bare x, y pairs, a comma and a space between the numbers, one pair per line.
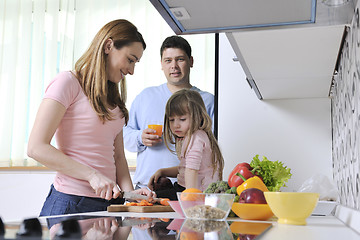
324, 208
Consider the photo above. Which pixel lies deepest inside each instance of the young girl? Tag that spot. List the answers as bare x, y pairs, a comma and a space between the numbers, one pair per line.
189, 127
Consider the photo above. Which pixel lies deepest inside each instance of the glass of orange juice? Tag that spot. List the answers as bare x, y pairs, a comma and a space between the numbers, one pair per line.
157, 128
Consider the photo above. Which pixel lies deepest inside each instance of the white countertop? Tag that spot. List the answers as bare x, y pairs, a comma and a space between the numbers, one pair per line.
317, 228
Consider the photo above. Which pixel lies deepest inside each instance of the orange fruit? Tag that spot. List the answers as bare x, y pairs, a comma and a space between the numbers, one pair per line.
190, 236
192, 190
190, 197
157, 128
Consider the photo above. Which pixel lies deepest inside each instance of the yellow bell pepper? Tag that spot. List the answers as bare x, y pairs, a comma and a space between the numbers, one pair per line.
253, 182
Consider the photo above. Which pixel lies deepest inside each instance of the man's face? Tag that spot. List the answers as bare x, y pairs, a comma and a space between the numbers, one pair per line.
176, 66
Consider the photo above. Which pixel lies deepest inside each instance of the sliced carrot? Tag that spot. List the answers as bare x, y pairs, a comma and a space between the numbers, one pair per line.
164, 201
144, 203
131, 204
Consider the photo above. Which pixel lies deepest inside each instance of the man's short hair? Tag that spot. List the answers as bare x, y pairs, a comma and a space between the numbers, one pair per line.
176, 42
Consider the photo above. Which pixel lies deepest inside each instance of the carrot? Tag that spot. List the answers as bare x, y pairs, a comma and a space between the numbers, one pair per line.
131, 204
164, 201
144, 203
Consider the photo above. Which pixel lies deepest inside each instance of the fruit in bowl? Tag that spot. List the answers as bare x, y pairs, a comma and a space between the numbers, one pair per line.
252, 205
214, 206
252, 211
292, 207
252, 195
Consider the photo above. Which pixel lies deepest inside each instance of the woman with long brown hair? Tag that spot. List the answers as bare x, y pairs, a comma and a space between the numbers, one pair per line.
85, 110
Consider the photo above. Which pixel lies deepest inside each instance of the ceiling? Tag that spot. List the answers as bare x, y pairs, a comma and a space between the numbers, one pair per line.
288, 49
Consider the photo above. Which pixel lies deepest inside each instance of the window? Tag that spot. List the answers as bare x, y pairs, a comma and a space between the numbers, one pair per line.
39, 38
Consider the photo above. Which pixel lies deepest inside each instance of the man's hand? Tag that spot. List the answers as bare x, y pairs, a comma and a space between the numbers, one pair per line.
149, 138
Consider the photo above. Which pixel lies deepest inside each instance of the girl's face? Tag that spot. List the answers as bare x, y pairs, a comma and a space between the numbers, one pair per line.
120, 62
180, 125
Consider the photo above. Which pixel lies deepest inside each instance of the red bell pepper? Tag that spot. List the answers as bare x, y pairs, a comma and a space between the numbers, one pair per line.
236, 169
243, 169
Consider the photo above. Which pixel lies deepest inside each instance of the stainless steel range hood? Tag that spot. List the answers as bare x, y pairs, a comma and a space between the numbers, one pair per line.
287, 48
200, 16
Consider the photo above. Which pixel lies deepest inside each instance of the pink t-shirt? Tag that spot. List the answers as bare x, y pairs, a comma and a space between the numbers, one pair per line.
81, 135
197, 157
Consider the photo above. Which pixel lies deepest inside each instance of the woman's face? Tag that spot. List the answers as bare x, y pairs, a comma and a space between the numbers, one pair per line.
120, 62
180, 125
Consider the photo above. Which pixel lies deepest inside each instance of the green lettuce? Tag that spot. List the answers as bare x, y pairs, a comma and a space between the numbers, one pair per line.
273, 173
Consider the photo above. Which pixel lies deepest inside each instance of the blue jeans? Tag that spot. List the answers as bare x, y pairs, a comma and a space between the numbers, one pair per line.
58, 203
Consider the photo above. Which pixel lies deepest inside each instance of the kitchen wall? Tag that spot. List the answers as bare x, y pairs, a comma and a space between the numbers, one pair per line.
294, 131
23, 193
346, 118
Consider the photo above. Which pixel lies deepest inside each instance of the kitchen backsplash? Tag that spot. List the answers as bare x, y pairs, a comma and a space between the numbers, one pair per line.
346, 118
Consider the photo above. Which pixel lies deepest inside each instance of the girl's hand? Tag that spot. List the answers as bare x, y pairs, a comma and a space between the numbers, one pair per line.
103, 186
149, 138
154, 178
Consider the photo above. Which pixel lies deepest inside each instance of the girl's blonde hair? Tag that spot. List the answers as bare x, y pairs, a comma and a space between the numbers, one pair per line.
90, 69
190, 102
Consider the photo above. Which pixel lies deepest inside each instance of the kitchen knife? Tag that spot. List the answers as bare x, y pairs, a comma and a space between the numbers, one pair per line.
133, 196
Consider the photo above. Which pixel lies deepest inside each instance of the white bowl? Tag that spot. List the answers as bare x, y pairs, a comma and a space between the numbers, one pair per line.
175, 205
214, 206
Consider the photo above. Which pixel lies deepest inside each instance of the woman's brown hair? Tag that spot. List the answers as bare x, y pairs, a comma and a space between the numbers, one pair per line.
184, 102
90, 69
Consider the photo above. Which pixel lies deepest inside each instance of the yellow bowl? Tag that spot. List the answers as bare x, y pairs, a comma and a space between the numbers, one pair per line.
250, 228
252, 211
292, 207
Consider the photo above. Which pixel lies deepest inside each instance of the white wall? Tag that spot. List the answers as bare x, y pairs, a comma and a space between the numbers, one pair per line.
22, 193
294, 131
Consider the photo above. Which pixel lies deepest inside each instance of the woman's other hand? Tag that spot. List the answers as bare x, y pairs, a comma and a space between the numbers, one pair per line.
147, 192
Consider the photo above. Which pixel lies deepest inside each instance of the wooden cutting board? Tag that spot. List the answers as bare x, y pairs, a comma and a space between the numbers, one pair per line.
124, 208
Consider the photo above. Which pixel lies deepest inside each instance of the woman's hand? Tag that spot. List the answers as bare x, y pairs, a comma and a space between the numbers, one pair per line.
103, 186
149, 138
145, 191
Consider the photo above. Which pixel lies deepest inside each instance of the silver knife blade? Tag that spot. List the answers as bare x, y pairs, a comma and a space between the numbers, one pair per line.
133, 196
136, 196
